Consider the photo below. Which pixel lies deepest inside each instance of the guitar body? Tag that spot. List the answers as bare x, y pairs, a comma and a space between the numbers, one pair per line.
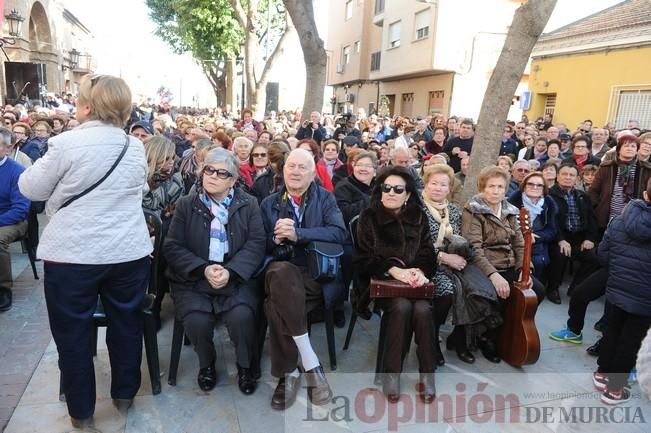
518, 342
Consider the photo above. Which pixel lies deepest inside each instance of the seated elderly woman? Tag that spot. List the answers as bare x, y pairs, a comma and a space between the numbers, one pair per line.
489, 222
215, 244
394, 242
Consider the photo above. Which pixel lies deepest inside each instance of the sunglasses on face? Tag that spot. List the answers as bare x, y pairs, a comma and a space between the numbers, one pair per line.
259, 155
220, 172
534, 185
398, 189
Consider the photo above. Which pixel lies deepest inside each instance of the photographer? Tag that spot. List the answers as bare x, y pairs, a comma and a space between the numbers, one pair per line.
346, 127
313, 129
301, 212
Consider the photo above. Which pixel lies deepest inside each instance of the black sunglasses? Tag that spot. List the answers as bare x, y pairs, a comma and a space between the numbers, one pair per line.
221, 173
398, 189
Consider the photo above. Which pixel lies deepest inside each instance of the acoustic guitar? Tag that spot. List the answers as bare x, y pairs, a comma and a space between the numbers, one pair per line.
518, 341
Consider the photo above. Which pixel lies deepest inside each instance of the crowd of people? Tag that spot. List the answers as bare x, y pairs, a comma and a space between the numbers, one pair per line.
244, 202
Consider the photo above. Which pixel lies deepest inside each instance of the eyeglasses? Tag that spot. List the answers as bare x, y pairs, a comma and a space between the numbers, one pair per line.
534, 185
398, 189
522, 170
259, 155
580, 146
220, 172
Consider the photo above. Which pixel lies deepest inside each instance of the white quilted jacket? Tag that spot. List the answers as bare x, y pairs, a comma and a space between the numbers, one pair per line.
106, 225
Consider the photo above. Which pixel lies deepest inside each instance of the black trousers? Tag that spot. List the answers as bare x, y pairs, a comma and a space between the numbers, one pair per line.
290, 295
407, 318
71, 293
241, 325
590, 289
558, 263
619, 347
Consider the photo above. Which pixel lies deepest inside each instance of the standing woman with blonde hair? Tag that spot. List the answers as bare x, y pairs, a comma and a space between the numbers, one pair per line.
96, 243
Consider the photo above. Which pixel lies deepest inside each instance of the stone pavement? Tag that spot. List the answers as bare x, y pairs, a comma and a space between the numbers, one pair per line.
554, 395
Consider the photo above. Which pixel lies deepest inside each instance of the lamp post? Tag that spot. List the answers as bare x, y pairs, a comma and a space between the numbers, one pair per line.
74, 58
15, 21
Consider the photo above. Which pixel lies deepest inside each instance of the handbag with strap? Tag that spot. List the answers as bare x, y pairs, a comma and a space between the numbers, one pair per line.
392, 288
99, 182
324, 260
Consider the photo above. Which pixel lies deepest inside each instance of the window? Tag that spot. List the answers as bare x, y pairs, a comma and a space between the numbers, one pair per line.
357, 47
379, 7
394, 35
550, 104
346, 55
375, 60
421, 23
349, 9
634, 105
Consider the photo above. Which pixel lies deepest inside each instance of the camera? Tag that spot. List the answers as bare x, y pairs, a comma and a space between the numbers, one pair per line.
283, 251
343, 120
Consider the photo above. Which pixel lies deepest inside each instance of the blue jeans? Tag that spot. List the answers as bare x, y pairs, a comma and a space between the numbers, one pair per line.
71, 293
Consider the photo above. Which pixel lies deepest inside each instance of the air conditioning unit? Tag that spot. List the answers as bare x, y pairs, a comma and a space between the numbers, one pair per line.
350, 98
340, 68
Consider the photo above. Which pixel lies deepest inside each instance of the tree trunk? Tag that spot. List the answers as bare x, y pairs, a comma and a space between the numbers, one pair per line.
528, 23
302, 14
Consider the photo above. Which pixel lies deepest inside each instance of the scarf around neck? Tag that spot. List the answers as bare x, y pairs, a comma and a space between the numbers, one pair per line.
441, 215
625, 174
580, 161
218, 235
534, 208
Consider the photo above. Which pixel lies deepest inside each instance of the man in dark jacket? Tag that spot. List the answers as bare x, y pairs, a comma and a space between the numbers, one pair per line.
577, 231
460, 147
313, 129
301, 212
214, 246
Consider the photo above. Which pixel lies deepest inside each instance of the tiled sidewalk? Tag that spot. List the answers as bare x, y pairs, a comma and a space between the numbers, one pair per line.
559, 383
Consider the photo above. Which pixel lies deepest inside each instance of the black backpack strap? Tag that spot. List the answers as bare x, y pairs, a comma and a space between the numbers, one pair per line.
98, 183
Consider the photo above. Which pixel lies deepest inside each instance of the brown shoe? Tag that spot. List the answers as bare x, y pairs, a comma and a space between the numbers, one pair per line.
318, 389
427, 388
285, 394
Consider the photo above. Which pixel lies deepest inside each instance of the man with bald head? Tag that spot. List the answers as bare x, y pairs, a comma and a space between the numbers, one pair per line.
300, 213
313, 129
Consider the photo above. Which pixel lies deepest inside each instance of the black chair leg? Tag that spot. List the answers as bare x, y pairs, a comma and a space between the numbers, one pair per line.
351, 326
379, 361
330, 334
31, 254
177, 339
151, 350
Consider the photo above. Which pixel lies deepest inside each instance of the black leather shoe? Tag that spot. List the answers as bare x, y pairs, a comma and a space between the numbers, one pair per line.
207, 378
488, 349
122, 404
440, 359
5, 299
427, 388
246, 381
318, 389
339, 318
462, 352
391, 386
285, 393
594, 349
554, 296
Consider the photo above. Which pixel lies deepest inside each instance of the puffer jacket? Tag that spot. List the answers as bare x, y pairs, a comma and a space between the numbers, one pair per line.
498, 242
601, 189
105, 226
626, 250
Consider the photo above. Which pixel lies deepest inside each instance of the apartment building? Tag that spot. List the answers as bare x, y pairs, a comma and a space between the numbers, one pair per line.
416, 57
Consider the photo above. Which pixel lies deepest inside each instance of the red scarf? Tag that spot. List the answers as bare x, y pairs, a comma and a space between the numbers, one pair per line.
580, 161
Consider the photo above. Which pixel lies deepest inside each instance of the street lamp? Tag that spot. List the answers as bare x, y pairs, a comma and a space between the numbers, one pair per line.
74, 58
15, 21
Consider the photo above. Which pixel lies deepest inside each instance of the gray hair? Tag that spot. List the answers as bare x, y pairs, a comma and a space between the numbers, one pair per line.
8, 137
222, 155
202, 144
244, 140
521, 161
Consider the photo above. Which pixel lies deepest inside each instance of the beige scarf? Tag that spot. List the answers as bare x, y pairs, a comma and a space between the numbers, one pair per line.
442, 216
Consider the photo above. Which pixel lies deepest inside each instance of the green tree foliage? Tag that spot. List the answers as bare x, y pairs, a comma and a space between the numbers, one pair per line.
206, 28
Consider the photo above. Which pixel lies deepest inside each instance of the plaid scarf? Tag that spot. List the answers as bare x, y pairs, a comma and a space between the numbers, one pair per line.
218, 234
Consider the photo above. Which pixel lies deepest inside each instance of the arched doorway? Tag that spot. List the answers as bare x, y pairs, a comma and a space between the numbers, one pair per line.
40, 36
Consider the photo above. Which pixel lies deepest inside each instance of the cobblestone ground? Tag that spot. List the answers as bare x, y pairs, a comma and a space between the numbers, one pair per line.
24, 334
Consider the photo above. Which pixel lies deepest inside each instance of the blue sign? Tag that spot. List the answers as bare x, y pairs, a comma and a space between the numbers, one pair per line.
525, 100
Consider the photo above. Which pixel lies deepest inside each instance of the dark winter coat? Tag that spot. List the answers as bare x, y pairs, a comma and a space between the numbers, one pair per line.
318, 134
186, 250
626, 250
544, 227
322, 221
352, 197
383, 236
590, 229
602, 186
265, 185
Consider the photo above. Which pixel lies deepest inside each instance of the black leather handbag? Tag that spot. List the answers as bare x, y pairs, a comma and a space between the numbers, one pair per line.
324, 260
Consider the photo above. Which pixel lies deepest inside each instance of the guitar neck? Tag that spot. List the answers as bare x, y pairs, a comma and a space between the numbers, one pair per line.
528, 245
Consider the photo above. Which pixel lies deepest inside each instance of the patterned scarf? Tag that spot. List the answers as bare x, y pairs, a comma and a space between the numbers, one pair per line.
626, 174
188, 167
330, 166
218, 235
441, 215
534, 209
580, 161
